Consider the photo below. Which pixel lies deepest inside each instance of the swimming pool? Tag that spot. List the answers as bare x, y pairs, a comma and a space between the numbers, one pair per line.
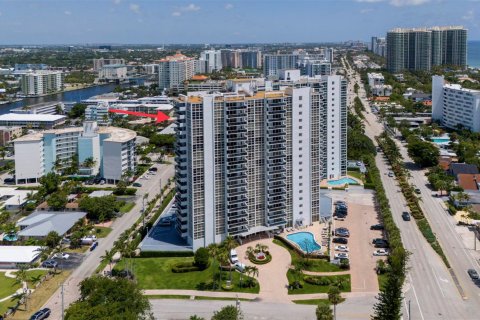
11, 236
342, 181
441, 140
305, 240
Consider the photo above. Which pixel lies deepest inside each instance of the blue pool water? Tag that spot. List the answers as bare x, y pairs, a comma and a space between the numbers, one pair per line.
10, 237
441, 140
305, 240
341, 182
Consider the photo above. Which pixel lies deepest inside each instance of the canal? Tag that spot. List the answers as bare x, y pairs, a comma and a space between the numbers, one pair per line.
68, 96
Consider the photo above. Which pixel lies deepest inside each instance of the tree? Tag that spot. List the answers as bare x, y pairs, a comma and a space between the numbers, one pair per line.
201, 258
101, 298
99, 208
108, 257
50, 183
77, 111
121, 188
423, 153
324, 312
21, 277
89, 162
52, 239
228, 313
389, 302
229, 243
335, 298
57, 201
195, 317
214, 251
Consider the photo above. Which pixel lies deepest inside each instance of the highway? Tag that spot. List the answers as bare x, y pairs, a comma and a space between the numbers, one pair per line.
92, 259
429, 287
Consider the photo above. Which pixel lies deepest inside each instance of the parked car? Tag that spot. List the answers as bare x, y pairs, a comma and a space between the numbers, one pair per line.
417, 191
340, 202
88, 239
233, 256
341, 255
153, 169
473, 274
377, 227
9, 181
137, 184
61, 255
380, 252
341, 248
340, 240
390, 174
339, 217
49, 264
240, 266
93, 246
342, 232
405, 216
41, 314
381, 245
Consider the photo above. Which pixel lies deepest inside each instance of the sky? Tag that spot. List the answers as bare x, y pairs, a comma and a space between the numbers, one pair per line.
219, 21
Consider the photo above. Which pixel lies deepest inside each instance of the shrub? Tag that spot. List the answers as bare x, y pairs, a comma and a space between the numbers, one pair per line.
201, 258
253, 259
184, 267
317, 281
160, 254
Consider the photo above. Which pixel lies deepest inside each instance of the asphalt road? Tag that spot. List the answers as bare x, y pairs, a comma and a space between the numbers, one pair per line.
93, 258
429, 287
352, 308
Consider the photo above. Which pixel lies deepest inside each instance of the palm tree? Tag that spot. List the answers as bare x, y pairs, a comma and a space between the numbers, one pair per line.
250, 251
323, 312
22, 279
223, 258
230, 243
89, 162
251, 271
108, 257
335, 298
213, 251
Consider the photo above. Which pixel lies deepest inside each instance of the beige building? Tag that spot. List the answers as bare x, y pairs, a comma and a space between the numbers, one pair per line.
7, 134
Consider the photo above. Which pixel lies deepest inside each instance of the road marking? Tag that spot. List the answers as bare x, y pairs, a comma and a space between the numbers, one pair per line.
416, 298
436, 281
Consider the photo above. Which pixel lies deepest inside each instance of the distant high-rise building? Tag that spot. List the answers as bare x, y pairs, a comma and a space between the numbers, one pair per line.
273, 63
329, 54
314, 67
98, 64
251, 59
41, 82
250, 162
231, 58
379, 46
213, 59
419, 49
174, 70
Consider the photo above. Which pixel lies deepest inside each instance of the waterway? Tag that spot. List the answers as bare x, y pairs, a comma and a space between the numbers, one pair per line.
67, 96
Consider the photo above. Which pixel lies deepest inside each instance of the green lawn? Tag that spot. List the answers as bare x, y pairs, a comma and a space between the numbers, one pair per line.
187, 297
102, 232
316, 265
7, 286
311, 288
315, 302
127, 207
356, 174
155, 273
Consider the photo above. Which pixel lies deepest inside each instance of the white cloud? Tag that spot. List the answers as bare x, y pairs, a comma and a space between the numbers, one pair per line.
67, 12
363, 11
176, 13
135, 8
469, 15
117, 1
190, 7
228, 6
404, 3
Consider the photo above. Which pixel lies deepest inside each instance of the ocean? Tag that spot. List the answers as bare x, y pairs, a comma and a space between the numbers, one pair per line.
473, 54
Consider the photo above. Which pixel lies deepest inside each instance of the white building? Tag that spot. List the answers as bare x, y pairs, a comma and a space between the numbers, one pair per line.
213, 59
375, 79
98, 112
174, 70
41, 108
252, 161
32, 121
12, 256
41, 82
113, 72
455, 106
100, 63
112, 149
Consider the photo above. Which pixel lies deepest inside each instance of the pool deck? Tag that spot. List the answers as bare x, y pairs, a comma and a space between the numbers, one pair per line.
316, 229
324, 184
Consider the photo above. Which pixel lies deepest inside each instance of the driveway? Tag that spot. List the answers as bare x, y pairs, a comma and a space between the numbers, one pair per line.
272, 276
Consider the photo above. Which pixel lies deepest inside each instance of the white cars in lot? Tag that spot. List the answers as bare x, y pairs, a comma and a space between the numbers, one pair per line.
61, 255
380, 252
341, 255
341, 248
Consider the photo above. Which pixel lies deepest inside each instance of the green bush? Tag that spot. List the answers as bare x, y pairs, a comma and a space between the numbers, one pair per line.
268, 258
201, 258
161, 254
317, 281
184, 267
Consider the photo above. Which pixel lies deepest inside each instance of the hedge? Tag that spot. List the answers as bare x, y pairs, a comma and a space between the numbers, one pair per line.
184, 267
162, 254
268, 258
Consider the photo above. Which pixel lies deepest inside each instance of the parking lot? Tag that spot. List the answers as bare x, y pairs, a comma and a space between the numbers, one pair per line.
361, 215
73, 261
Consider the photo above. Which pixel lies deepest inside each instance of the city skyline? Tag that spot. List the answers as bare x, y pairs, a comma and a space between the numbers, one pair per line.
218, 21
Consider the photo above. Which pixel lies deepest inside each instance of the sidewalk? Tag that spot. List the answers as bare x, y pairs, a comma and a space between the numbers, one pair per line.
214, 294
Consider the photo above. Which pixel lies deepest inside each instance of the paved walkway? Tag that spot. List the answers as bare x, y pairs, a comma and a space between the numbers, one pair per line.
272, 276
193, 293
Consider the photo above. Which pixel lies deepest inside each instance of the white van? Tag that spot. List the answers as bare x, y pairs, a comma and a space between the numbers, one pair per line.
233, 256
240, 267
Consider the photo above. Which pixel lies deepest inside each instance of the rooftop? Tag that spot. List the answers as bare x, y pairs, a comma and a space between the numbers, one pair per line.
14, 197
100, 193
31, 117
18, 254
117, 134
468, 181
40, 223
